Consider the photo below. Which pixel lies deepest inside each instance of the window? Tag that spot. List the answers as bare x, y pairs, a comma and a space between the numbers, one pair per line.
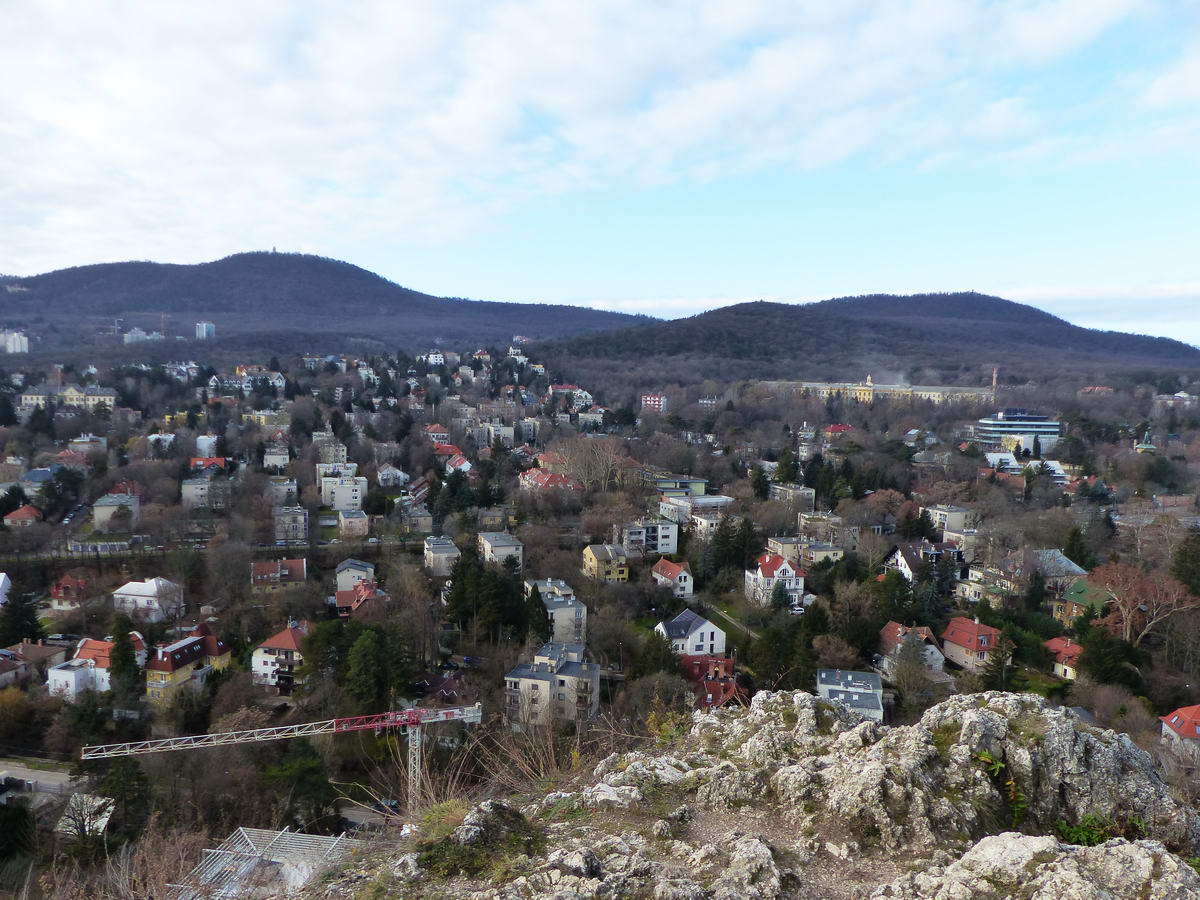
562, 696
562, 682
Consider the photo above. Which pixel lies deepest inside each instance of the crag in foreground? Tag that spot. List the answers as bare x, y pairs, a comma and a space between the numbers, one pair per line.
797, 798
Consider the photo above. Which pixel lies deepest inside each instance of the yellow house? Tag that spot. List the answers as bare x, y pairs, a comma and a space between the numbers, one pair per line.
185, 663
605, 562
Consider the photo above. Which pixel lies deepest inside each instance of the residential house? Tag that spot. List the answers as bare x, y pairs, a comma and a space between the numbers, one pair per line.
343, 493
498, 547
117, 512
650, 534
680, 509
365, 600
1066, 657
672, 484
277, 660
291, 524
36, 658
690, 634
185, 664
350, 572
353, 523
676, 576
88, 669
713, 680
951, 518
23, 516
208, 488
277, 457
568, 614
769, 570
968, 642
539, 480
1181, 733
440, 556
5, 587
390, 477
282, 491
336, 470
69, 592
803, 498
605, 562
416, 517
911, 558
1059, 573
559, 686
861, 692
275, 575
1081, 597
892, 638
153, 600
654, 402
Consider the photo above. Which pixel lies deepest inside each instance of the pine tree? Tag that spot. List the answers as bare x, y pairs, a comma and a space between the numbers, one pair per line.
656, 656
746, 544
126, 783
779, 596
758, 483
1036, 595
996, 671
788, 470
125, 678
539, 627
1076, 550
19, 620
1185, 565
366, 673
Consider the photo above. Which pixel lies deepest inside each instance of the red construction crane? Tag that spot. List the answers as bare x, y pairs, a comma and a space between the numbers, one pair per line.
412, 719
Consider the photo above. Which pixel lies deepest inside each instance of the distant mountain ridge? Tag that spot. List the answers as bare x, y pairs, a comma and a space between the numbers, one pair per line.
953, 337
285, 299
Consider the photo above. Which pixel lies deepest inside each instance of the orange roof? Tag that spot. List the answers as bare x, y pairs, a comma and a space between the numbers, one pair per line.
28, 512
282, 570
970, 634
892, 635
1185, 722
668, 569
203, 462
101, 651
1065, 652
446, 450
770, 563
290, 638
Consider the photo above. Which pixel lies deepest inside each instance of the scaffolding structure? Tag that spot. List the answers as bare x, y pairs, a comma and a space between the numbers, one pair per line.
257, 863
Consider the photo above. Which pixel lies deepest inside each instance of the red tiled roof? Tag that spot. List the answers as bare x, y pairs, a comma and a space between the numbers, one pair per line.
893, 633
1065, 652
547, 481
1184, 721
838, 429
770, 563
26, 513
128, 487
69, 586
203, 462
213, 645
446, 450
282, 570
972, 635
290, 638
176, 655
101, 651
668, 569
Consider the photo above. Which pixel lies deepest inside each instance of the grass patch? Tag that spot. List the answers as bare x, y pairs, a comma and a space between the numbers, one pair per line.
440, 820
945, 737
498, 854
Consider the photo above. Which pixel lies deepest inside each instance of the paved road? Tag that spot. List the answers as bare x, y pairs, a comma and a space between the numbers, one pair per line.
59, 778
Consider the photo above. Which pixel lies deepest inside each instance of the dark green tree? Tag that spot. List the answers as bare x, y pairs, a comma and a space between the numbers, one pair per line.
537, 618
1035, 596
788, 470
126, 783
656, 655
19, 619
367, 671
1108, 659
1076, 549
1185, 564
758, 483
125, 677
997, 671
8, 415
779, 596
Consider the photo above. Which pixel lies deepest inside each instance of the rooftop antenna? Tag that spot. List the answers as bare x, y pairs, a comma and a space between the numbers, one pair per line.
116, 326
995, 379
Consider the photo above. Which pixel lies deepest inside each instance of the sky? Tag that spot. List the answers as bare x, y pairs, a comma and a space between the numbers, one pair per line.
657, 157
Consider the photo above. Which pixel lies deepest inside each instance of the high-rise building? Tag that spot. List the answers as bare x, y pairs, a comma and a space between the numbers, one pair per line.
14, 341
205, 331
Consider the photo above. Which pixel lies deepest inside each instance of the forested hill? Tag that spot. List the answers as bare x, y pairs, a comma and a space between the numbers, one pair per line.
279, 300
955, 338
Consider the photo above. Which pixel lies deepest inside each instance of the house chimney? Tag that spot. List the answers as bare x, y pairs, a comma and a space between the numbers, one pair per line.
977, 620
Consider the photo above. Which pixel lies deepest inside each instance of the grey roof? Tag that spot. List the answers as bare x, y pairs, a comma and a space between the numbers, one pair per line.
684, 624
607, 551
857, 701
499, 539
356, 564
849, 680
1053, 564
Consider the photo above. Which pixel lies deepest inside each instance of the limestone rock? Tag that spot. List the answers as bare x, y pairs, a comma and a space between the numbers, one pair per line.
1040, 868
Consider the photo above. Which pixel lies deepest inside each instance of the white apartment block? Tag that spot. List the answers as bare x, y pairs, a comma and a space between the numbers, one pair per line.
568, 614
440, 555
498, 546
559, 686
650, 535
343, 493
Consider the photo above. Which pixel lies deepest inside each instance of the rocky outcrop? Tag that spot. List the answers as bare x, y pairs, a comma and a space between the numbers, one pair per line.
798, 797
1040, 868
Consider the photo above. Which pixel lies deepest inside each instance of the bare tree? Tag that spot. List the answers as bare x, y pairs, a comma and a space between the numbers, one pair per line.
1140, 602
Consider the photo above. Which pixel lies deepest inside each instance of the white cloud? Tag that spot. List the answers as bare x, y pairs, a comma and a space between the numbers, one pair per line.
183, 132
